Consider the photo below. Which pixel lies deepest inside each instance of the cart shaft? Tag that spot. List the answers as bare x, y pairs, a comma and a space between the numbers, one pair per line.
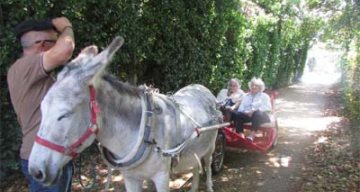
212, 127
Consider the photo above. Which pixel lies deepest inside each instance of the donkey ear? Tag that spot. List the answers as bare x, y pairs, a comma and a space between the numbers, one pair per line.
84, 56
97, 64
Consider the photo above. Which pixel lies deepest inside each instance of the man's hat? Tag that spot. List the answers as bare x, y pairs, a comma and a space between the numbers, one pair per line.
32, 25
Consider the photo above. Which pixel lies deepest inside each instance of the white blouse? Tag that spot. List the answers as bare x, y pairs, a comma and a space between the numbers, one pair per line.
260, 101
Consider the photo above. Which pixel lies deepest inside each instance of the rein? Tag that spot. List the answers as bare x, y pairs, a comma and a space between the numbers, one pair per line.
92, 130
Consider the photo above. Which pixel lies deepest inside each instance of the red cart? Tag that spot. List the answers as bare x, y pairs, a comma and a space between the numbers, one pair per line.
266, 138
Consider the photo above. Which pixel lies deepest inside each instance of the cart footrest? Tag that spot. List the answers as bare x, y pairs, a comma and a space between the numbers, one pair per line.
262, 144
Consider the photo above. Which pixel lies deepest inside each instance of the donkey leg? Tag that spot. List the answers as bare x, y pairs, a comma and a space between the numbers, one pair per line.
161, 181
133, 185
207, 162
195, 179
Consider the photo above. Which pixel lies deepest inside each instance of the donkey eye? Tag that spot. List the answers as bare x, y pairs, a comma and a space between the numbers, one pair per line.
63, 116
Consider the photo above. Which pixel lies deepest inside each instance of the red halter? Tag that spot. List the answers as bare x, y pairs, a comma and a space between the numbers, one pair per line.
93, 129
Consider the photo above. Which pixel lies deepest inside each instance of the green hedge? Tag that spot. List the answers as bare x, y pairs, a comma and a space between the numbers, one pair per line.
167, 43
344, 29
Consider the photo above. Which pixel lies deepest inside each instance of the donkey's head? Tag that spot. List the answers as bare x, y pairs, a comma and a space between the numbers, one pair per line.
66, 115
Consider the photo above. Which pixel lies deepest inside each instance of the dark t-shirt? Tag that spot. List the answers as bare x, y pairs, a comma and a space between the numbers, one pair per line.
28, 83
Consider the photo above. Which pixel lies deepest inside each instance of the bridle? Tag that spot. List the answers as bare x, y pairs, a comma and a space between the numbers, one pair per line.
92, 130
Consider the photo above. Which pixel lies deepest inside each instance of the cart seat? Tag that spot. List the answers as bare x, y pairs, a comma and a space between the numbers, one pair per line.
262, 143
266, 125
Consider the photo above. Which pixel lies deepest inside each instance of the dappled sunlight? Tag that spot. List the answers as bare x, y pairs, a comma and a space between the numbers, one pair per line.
282, 161
103, 171
322, 79
180, 181
288, 106
303, 116
303, 106
303, 113
308, 123
84, 178
261, 183
321, 139
233, 174
224, 179
291, 105
117, 178
307, 112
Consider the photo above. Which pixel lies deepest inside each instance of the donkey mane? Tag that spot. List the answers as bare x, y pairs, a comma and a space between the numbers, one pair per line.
120, 87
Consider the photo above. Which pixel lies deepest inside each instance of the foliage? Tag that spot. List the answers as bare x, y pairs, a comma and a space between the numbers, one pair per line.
171, 43
9, 137
343, 27
352, 90
281, 39
351, 79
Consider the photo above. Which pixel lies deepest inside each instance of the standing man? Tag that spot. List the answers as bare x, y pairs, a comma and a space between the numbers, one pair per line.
46, 45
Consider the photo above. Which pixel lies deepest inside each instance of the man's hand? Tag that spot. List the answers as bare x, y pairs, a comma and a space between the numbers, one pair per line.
62, 51
60, 23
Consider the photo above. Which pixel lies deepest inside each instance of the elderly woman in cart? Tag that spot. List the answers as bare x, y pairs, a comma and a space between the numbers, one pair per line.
230, 98
254, 108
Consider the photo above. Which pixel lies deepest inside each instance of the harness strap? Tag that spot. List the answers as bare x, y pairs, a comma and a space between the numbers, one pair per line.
180, 108
50, 145
92, 130
173, 152
139, 140
140, 149
188, 116
93, 104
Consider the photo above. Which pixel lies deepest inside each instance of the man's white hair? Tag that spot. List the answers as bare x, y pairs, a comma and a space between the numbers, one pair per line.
258, 82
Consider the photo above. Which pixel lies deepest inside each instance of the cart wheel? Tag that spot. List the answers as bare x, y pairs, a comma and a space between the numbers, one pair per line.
276, 134
219, 153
